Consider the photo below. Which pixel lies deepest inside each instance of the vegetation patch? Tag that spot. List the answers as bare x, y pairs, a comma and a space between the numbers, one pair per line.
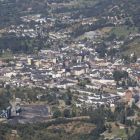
123, 30
117, 132
74, 127
134, 47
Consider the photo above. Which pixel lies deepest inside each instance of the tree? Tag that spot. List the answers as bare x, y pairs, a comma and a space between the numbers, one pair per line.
116, 124
68, 97
7, 87
117, 76
117, 83
84, 112
50, 98
96, 118
126, 130
128, 123
122, 117
73, 113
57, 114
123, 83
129, 111
111, 37
125, 74
134, 106
134, 58
32, 96
109, 128
75, 98
66, 113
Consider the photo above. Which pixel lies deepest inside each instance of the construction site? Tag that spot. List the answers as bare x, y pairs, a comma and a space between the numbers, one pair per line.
18, 113
31, 114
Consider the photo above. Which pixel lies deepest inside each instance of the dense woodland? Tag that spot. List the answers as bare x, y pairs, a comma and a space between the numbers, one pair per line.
11, 11
23, 44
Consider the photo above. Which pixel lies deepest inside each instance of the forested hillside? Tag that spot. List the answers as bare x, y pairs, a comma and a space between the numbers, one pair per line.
11, 11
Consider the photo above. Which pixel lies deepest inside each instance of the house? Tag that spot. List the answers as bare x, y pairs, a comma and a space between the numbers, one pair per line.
134, 99
107, 80
95, 79
4, 78
56, 75
112, 104
128, 95
93, 97
92, 86
61, 85
105, 95
3, 64
82, 91
121, 93
78, 71
78, 105
9, 74
99, 101
84, 99
122, 127
69, 84
91, 34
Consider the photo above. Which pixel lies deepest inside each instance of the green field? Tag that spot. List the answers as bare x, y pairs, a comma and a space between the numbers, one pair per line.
6, 55
81, 4
117, 132
123, 30
134, 47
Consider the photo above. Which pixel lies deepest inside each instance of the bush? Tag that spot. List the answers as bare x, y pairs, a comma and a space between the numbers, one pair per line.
66, 113
57, 114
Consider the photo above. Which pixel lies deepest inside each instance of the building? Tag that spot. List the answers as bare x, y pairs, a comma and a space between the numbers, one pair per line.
91, 34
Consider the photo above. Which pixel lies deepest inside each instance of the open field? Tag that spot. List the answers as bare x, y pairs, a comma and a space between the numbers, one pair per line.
79, 4
74, 127
123, 30
6, 55
73, 118
105, 30
79, 37
134, 48
117, 132
2, 31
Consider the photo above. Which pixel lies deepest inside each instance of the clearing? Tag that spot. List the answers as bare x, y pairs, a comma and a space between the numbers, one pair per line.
117, 132
134, 48
6, 55
123, 30
74, 127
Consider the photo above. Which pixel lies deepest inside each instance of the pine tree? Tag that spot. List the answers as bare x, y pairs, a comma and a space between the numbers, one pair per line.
109, 128
122, 117
126, 130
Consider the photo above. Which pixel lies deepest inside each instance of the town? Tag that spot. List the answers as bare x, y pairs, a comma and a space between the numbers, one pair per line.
70, 70
79, 67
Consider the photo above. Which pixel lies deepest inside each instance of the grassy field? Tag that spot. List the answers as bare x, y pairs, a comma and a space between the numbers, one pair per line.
105, 30
123, 30
79, 38
73, 118
117, 132
74, 127
2, 31
80, 4
6, 55
134, 48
